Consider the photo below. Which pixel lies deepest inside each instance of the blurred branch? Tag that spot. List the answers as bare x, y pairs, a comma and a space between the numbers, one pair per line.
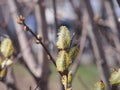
114, 15
34, 69
112, 24
97, 46
43, 45
10, 80
76, 9
118, 1
82, 44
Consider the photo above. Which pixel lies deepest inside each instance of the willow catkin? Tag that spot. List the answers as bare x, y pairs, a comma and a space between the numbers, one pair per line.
62, 61
6, 63
63, 41
70, 77
7, 48
0, 60
115, 77
3, 73
74, 52
99, 86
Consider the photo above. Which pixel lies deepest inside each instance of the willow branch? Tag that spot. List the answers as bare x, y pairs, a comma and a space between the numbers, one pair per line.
43, 45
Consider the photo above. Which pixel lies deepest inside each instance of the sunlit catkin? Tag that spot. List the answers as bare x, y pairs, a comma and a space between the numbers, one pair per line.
61, 61
6, 63
99, 86
7, 48
115, 77
70, 77
0, 60
63, 41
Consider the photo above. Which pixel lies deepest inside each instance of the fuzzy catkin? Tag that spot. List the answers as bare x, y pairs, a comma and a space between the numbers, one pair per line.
63, 41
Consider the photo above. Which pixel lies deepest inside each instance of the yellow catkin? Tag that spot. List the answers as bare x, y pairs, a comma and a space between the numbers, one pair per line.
7, 48
6, 63
99, 86
61, 61
74, 52
115, 77
63, 41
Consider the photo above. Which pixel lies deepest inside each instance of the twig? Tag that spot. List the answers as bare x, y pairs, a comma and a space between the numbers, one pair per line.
51, 58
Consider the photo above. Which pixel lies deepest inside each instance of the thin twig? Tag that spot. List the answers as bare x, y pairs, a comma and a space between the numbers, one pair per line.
51, 58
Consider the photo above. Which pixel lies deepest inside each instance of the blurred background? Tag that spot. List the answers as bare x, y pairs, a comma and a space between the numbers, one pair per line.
97, 27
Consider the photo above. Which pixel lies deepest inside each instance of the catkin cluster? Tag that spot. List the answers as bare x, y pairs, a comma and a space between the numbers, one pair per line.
66, 55
6, 51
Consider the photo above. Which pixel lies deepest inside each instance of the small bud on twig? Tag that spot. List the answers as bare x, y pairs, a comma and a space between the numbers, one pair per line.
20, 19
37, 41
26, 28
39, 37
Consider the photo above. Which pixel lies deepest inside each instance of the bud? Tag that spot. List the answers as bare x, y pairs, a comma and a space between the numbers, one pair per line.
39, 37
26, 28
6, 63
20, 19
63, 41
37, 41
7, 48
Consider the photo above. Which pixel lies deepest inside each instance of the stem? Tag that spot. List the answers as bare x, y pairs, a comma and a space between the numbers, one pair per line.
51, 58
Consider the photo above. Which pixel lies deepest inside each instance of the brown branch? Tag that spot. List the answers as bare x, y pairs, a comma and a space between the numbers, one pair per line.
118, 1
97, 46
82, 45
113, 25
43, 45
